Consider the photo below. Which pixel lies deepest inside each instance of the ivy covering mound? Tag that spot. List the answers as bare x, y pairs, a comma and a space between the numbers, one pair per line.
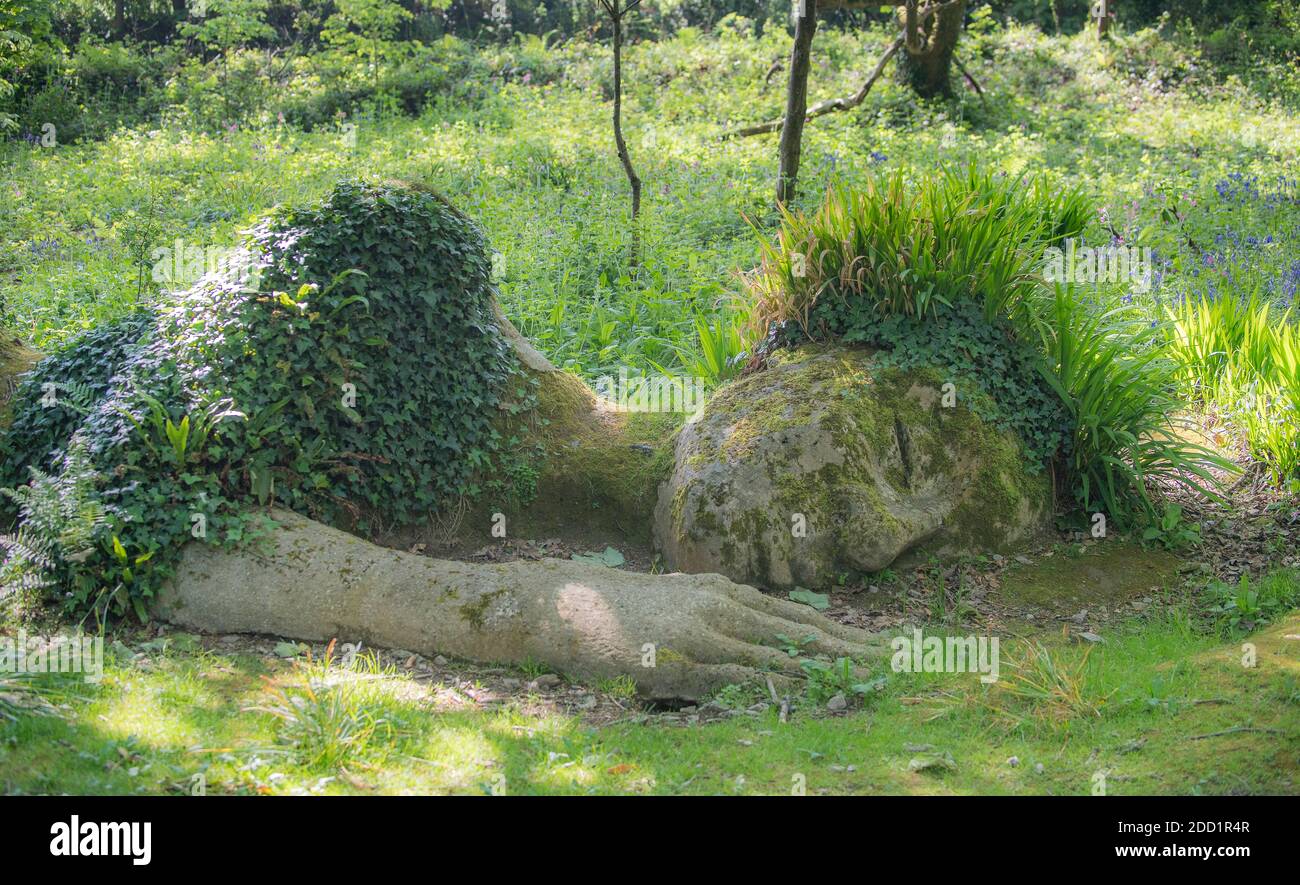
350, 363
962, 344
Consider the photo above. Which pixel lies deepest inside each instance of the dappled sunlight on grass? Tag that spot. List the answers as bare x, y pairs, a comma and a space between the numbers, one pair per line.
146, 710
467, 760
154, 729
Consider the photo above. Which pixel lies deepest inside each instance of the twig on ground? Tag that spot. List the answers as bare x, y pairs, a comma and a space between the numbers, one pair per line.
1236, 729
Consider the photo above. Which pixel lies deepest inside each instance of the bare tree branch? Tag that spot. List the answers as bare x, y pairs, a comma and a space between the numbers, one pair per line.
822, 108
616, 13
848, 102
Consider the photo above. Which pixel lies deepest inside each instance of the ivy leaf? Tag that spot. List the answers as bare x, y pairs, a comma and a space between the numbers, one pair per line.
609, 557
819, 601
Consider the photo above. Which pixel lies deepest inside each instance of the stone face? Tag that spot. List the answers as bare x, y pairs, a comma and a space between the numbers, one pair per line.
826, 462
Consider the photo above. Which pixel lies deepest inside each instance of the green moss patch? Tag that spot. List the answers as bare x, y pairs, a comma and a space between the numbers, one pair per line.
1107, 573
597, 471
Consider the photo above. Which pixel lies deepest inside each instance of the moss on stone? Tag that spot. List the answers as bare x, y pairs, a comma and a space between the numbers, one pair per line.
868, 453
597, 469
1002, 492
664, 655
473, 613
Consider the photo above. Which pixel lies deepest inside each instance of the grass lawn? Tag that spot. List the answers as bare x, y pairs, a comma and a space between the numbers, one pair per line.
1160, 706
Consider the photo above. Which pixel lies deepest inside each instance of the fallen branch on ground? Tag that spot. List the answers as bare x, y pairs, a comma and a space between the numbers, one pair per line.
1239, 729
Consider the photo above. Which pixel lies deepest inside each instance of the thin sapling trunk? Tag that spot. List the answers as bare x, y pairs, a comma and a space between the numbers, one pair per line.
796, 100
616, 13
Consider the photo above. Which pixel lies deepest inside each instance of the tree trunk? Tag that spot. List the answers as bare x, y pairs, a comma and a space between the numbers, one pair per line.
1103, 19
623, 156
796, 100
926, 62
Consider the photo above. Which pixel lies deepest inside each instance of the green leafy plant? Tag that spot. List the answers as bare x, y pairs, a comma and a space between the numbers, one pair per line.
1239, 606
622, 687
825, 679
365, 28
324, 721
139, 230
61, 519
179, 443
1249, 604
723, 350
224, 26
118, 577
1240, 357
811, 598
1170, 531
946, 605
341, 421
1117, 390
794, 647
892, 247
532, 669
738, 697
1159, 695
